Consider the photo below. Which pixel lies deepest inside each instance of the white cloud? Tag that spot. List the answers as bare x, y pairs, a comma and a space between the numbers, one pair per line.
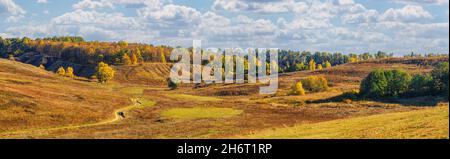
409, 13
95, 4
9, 7
436, 2
316, 25
42, 1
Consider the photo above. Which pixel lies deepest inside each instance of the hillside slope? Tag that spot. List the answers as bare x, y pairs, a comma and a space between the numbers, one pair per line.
428, 123
150, 74
34, 98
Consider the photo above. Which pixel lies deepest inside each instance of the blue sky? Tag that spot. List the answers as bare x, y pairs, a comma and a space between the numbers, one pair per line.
349, 26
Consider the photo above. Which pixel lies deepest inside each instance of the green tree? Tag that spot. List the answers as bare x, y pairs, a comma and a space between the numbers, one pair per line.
398, 82
104, 72
374, 85
440, 77
421, 85
381, 83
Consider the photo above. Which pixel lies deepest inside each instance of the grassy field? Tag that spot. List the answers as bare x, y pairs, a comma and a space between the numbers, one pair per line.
34, 98
194, 98
422, 124
35, 103
199, 112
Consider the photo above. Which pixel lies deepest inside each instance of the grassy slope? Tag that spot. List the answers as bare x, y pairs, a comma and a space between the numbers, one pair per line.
34, 98
199, 112
427, 123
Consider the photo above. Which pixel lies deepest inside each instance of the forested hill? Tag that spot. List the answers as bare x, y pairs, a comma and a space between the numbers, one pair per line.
75, 52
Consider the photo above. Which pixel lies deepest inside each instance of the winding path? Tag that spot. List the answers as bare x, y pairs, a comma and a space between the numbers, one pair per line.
117, 117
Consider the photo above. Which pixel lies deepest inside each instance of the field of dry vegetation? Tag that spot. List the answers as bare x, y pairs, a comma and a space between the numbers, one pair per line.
35, 103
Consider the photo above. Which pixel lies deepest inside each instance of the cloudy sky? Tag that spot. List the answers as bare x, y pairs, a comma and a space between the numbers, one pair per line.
349, 26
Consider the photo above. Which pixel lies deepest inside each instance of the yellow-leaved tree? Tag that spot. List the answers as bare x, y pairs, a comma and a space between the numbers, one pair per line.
134, 59
126, 60
163, 56
297, 89
104, 72
69, 72
353, 59
312, 65
61, 71
328, 64
319, 67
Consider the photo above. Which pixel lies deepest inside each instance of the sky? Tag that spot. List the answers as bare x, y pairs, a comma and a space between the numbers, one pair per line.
348, 26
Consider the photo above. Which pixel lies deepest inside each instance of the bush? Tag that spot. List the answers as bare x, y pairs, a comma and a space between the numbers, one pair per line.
315, 84
297, 89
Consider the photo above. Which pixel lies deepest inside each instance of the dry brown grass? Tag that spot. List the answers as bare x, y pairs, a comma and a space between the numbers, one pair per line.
34, 98
259, 112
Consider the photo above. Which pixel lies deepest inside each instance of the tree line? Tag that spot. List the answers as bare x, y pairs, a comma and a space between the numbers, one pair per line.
399, 83
77, 50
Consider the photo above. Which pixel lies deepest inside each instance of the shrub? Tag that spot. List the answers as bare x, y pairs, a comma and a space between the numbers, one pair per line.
61, 71
297, 89
315, 84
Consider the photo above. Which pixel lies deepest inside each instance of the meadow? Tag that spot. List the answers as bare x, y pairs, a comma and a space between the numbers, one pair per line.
137, 104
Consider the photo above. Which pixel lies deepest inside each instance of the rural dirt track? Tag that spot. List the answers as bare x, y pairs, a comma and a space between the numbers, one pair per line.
117, 118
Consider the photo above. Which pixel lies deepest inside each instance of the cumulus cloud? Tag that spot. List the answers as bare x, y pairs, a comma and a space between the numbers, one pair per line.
316, 25
9, 7
95, 4
437, 2
406, 14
